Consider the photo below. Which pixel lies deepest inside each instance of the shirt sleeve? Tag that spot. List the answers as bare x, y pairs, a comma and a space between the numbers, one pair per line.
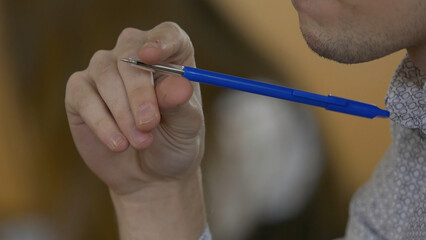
206, 234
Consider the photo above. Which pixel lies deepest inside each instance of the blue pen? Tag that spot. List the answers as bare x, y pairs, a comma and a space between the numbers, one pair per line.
329, 102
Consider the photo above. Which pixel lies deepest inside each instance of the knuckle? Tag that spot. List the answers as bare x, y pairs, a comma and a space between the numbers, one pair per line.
170, 26
73, 80
101, 73
128, 35
179, 39
129, 31
174, 30
73, 86
80, 103
76, 92
99, 57
100, 64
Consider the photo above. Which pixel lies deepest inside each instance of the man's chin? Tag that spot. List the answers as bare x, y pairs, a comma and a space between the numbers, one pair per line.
321, 46
342, 49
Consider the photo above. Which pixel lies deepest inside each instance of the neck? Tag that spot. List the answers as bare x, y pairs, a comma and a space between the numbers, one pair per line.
418, 56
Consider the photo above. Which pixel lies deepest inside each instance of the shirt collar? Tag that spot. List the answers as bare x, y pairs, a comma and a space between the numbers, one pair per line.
406, 98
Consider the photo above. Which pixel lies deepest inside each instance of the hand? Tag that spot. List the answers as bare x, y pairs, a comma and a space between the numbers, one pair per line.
129, 132
140, 133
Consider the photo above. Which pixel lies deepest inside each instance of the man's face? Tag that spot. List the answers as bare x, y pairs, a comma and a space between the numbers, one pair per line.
352, 31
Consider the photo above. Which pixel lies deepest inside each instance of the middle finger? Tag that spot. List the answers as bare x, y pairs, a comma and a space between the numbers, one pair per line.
104, 73
138, 84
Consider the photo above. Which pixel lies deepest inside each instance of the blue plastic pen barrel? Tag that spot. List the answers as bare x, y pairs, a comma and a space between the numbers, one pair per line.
328, 102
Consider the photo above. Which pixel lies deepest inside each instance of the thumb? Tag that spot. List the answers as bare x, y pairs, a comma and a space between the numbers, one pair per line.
179, 102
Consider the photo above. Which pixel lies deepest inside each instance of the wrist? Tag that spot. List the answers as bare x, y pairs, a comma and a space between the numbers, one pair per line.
163, 210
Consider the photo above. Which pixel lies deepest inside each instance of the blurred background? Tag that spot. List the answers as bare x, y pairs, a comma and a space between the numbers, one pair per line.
292, 176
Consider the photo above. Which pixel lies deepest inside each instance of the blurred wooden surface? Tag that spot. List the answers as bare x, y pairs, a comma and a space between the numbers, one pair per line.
354, 145
17, 188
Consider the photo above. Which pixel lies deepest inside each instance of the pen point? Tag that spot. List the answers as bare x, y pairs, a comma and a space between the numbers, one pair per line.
129, 60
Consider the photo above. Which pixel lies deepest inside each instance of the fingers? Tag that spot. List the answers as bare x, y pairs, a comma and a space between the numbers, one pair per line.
180, 108
138, 84
83, 102
105, 75
167, 42
120, 104
172, 92
179, 100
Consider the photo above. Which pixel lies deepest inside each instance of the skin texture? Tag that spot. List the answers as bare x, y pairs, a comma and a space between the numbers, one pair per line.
144, 141
353, 31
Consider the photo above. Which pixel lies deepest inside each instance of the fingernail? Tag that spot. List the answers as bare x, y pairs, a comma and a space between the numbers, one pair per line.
146, 114
116, 141
139, 137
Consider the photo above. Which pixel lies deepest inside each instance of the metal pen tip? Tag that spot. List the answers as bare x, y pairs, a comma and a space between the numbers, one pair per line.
172, 69
129, 60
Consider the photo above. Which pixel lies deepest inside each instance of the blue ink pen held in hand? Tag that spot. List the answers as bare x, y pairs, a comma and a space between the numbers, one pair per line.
329, 102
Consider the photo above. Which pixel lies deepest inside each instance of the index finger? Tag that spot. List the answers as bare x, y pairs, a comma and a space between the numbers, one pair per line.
167, 42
